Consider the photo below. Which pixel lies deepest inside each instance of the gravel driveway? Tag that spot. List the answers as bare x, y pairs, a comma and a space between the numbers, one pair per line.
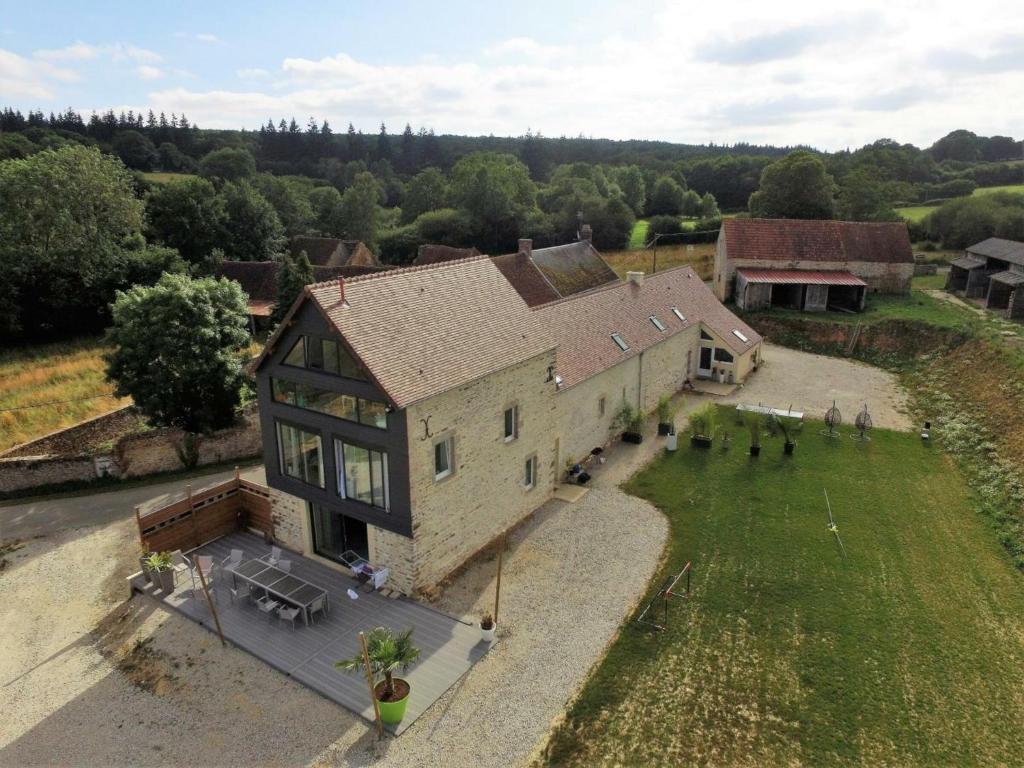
811, 382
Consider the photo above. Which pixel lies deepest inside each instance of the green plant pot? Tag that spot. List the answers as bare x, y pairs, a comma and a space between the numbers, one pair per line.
392, 712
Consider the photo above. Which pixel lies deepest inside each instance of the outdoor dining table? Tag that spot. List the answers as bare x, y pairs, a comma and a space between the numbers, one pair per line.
281, 584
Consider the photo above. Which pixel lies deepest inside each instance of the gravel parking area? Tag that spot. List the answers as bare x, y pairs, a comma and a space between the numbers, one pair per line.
811, 382
91, 680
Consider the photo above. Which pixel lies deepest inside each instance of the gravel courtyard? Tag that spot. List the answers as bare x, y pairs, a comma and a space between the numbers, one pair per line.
87, 679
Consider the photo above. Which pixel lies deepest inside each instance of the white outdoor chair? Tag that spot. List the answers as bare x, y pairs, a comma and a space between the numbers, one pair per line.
318, 606
268, 605
179, 564
275, 555
288, 613
285, 565
203, 563
233, 560
241, 592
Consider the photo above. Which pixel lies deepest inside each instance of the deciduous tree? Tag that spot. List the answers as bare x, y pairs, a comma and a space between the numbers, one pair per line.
796, 187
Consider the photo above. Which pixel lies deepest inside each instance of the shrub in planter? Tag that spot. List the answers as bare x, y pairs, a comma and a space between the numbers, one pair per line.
631, 421
388, 651
666, 415
487, 628
157, 565
787, 432
754, 423
702, 426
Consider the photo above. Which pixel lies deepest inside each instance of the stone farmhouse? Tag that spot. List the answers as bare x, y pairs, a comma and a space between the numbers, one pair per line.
994, 270
810, 265
411, 417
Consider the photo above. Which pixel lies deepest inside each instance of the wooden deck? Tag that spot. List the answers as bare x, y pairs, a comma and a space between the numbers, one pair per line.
449, 647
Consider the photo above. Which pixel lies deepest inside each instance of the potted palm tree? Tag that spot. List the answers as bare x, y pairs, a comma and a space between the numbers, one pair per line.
387, 652
666, 415
157, 566
787, 449
487, 628
702, 426
754, 425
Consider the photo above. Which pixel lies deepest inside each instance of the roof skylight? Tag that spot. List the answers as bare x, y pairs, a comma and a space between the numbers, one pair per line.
620, 342
657, 323
680, 315
741, 337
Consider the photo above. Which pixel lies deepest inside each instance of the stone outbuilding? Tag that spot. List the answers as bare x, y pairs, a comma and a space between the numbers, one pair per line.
993, 270
810, 265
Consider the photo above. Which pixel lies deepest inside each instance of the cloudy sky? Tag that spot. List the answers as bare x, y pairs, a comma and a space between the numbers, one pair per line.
786, 72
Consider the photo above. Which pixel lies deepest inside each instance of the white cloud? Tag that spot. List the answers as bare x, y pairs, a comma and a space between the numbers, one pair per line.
29, 78
80, 51
206, 37
251, 73
146, 72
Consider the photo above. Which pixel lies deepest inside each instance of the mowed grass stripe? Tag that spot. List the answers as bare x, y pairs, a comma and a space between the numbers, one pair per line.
908, 651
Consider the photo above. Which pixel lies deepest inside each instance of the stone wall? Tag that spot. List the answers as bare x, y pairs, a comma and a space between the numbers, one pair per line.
456, 516
135, 455
290, 520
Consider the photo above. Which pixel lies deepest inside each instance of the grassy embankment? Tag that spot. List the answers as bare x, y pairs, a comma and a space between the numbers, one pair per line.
52, 373
701, 258
918, 212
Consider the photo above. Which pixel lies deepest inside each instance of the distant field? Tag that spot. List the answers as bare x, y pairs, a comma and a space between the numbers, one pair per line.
51, 374
638, 237
918, 212
163, 178
701, 258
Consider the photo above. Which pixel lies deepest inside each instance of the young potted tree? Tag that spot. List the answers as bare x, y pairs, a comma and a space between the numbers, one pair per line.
666, 415
387, 652
786, 430
631, 421
487, 628
702, 426
754, 424
157, 566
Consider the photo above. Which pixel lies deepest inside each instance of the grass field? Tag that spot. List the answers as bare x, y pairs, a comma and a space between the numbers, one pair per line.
1019, 188
918, 212
638, 237
162, 178
51, 373
907, 651
701, 258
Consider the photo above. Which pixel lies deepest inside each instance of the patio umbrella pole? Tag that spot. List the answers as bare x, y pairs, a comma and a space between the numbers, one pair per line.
213, 608
369, 682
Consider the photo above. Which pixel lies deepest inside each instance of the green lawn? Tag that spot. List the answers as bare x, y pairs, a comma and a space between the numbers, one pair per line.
1005, 188
917, 306
909, 651
638, 237
915, 212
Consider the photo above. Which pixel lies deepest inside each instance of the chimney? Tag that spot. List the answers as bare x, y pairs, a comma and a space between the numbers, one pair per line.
586, 233
637, 278
525, 245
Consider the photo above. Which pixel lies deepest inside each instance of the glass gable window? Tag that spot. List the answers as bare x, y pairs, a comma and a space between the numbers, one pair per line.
722, 355
705, 335
325, 355
443, 458
348, 407
362, 474
300, 454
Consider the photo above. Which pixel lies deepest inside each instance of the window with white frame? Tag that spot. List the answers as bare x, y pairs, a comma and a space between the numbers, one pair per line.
511, 423
362, 474
444, 457
530, 473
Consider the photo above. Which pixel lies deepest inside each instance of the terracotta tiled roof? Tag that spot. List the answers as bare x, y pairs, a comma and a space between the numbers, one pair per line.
573, 267
431, 253
583, 324
998, 248
333, 252
424, 330
800, 277
531, 284
799, 240
257, 278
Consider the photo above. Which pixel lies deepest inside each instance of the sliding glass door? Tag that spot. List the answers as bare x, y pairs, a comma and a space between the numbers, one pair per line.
335, 533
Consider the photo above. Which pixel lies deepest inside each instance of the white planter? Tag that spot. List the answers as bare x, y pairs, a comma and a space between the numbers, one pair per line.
487, 635
671, 442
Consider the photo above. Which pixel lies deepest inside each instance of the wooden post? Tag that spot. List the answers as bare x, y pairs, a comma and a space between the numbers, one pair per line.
138, 522
192, 513
238, 476
369, 683
497, 589
209, 601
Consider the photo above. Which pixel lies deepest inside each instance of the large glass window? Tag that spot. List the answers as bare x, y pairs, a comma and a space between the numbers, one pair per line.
335, 534
723, 355
325, 355
300, 454
348, 407
362, 474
